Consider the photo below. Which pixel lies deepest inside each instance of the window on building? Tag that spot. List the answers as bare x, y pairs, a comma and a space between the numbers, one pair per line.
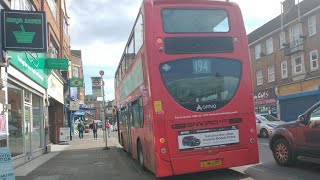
75, 72
269, 45
53, 7
314, 60
297, 65
271, 73
295, 33
54, 49
259, 78
65, 27
312, 26
24, 5
257, 50
284, 69
282, 39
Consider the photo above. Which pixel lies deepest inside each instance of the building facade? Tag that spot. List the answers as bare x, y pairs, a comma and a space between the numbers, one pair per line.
76, 71
32, 95
284, 58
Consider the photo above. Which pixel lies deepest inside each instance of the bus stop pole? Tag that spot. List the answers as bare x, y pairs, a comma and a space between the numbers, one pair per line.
105, 136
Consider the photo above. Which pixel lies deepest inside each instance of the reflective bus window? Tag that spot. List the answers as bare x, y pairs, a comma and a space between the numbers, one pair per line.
138, 34
195, 20
137, 113
202, 84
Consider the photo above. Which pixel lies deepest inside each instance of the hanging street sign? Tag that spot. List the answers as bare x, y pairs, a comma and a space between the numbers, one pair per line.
76, 82
24, 30
57, 63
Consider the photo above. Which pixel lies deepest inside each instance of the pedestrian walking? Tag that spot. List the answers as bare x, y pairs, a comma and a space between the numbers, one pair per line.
81, 129
108, 126
95, 127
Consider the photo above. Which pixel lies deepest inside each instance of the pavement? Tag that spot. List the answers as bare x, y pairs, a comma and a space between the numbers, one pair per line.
82, 159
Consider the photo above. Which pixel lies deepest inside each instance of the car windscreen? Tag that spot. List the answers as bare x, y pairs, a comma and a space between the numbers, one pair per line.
201, 84
270, 118
195, 20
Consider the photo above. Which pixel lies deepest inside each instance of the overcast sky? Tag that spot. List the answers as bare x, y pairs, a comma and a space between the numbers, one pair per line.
100, 28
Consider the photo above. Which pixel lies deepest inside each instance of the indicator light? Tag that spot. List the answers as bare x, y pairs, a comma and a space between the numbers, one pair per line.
162, 140
159, 40
252, 130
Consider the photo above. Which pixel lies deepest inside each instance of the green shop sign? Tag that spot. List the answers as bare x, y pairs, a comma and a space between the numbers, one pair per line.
57, 63
31, 65
24, 30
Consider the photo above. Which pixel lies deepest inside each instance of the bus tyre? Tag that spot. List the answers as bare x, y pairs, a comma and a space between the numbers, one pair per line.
264, 133
282, 152
140, 155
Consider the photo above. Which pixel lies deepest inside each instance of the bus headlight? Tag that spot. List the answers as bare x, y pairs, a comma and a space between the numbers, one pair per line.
252, 140
163, 150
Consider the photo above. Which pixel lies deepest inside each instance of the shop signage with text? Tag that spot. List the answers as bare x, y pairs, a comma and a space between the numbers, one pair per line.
31, 65
24, 30
57, 63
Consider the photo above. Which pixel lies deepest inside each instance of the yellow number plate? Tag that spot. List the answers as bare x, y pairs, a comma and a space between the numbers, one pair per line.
215, 162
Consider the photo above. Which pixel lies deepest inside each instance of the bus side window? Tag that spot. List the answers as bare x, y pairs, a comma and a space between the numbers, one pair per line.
137, 112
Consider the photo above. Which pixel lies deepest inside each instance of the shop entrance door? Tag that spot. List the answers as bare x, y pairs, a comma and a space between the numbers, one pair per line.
27, 131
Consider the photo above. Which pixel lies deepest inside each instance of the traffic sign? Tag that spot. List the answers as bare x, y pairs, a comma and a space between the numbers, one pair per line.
101, 73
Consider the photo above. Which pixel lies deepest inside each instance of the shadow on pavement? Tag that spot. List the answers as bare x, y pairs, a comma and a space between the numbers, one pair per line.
270, 170
91, 163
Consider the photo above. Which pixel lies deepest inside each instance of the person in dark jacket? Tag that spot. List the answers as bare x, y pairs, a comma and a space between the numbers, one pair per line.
94, 127
81, 129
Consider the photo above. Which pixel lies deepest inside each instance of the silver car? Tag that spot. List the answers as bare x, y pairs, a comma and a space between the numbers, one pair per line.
266, 124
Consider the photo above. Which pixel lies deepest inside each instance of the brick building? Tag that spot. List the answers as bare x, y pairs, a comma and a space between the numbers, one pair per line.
36, 99
76, 71
284, 58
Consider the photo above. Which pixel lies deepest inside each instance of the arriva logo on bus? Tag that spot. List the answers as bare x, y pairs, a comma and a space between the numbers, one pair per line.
204, 107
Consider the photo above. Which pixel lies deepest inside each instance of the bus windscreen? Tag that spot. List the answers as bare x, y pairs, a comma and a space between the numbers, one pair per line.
195, 20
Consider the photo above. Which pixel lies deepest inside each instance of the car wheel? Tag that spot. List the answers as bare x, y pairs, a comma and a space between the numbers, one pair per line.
282, 152
140, 155
264, 133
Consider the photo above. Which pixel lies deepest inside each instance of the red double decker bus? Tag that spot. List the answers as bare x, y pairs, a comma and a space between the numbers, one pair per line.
183, 88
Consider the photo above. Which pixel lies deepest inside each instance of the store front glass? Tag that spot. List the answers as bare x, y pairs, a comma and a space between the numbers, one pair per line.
15, 117
37, 112
25, 121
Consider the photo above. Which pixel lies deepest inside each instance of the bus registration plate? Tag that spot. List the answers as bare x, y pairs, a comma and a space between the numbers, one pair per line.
215, 162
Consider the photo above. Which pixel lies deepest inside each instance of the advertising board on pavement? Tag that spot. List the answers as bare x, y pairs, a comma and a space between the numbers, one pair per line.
6, 166
64, 134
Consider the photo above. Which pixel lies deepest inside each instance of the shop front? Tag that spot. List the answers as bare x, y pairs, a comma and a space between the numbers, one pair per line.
265, 102
56, 108
26, 94
296, 98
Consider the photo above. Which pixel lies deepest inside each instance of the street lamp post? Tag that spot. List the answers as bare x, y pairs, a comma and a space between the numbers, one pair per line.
105, 137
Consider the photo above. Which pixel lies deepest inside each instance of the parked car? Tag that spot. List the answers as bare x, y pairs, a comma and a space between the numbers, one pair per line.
299, 139
266, 123
190, 141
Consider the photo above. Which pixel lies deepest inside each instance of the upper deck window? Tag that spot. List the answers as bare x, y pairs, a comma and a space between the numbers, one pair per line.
195, 20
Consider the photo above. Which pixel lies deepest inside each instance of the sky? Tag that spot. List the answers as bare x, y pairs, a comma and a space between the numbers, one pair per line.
101, 28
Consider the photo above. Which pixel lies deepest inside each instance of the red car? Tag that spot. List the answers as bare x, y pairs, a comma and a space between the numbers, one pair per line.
299, 140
